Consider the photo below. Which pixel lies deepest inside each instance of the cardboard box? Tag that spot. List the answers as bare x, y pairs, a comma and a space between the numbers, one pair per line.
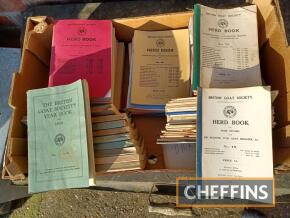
33, 73
281, 109
281, 136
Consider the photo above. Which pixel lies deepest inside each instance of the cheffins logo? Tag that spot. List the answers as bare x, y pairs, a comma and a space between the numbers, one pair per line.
225, 192
230, 111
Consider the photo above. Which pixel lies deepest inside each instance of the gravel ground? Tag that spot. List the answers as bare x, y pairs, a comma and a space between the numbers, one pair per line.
93, 203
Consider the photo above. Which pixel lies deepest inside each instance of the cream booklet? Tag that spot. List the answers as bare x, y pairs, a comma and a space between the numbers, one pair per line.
234, 132
159, 66
226, 47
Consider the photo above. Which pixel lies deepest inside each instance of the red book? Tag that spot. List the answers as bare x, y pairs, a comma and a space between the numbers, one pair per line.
82, 49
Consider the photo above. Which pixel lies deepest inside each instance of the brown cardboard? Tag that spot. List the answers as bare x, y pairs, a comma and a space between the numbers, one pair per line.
282, 136
118, 79
282, 109
33, 73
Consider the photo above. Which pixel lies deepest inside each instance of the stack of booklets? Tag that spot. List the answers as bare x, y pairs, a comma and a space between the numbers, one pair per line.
226, 50
117, 144
159, 69
85, 49
181, 121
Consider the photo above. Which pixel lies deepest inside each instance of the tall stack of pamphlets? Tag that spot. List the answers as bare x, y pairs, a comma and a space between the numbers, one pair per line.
226, 49
117, 144
233, 129
179, 137
159, 69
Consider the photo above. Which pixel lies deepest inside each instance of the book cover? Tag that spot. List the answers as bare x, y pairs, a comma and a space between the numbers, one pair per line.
82, 49
111, 138
106, 132
109, 125
113, 145
115, 152
117, 159
57, 138
159, 69
226, 50
234, 137
101, 119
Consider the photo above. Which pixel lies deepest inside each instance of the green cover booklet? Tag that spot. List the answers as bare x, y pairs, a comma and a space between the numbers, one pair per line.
60, 142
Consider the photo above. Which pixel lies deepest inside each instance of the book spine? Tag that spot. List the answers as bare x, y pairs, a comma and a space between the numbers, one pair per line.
199, 135
196, 53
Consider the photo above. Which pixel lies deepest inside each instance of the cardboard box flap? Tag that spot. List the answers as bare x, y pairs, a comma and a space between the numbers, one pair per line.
281, 20
14, 172
267, 19
38, 73
38, 40
281, 137
275, 61
282, 110
125, 27
18, 147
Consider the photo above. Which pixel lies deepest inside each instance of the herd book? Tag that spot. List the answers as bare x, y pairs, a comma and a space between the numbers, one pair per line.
60, 141
84, 49
159, 69
226, 50
234, 132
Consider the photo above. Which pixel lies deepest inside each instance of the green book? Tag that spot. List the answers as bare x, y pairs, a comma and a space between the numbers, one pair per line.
113, 145
196, 42
60, 142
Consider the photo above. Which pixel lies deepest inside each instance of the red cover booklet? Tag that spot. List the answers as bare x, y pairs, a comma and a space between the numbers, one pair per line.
82, 49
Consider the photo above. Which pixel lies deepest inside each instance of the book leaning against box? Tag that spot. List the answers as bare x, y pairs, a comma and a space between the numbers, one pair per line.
234, 117
60, 142
234, 132
226, 49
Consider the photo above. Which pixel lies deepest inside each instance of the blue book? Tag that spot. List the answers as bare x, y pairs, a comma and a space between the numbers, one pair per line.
113, 145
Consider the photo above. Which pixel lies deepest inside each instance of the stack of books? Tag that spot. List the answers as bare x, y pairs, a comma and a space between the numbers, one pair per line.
84, 49
157, 73
181, 121
117, 144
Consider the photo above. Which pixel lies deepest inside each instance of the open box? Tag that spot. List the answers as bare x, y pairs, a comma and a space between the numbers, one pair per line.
34, 69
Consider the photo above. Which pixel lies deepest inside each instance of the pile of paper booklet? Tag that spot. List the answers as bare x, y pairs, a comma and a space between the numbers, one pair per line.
157, 73
181, 121
117, 144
